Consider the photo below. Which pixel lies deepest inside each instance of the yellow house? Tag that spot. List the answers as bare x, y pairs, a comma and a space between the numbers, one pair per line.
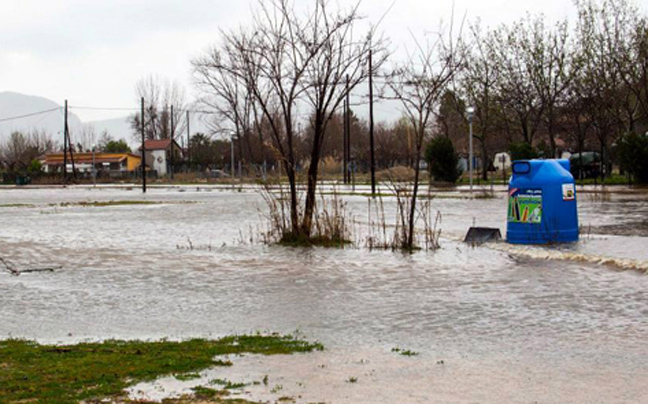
114, 162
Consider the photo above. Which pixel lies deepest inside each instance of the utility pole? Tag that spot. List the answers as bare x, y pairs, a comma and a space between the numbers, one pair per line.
94, 167
143, 163
344, 142
232, 158
471, 112
70, 147
171, 157
65, 142
188, 137
347, 124
371, 128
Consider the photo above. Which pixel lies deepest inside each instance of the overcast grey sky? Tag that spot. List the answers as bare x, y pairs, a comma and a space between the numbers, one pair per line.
93, 52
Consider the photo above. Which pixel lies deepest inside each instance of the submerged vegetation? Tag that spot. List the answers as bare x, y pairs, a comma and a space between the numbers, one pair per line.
67, 374
330, 223
404, 352
333, 225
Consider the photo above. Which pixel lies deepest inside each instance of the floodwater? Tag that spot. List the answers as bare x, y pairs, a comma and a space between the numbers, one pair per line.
490, 324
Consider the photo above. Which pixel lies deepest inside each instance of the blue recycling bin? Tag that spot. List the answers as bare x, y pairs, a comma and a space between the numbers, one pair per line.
542, 203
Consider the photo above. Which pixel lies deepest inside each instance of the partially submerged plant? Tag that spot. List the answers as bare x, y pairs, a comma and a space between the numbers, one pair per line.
330, 224
405, 352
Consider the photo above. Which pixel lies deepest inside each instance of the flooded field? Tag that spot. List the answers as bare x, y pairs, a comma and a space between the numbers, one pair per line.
489, 324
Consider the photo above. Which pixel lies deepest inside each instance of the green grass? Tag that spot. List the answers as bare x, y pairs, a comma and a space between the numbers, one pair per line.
405, 352
187, 376
614, 179
67, 374
227, 385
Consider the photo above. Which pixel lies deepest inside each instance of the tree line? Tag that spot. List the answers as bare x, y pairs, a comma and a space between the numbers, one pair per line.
21, 151
535, 86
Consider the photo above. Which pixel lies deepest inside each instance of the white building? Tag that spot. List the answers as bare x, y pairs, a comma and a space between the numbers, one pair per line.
502, 161
158, 155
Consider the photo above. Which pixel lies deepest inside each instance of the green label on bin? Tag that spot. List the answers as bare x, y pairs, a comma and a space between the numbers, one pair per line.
525, 206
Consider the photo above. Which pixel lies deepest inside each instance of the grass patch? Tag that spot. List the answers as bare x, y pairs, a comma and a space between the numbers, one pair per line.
227, 385
17, 205
187, 376
405, 352
205, 393
106, 203
67, 374
614, 179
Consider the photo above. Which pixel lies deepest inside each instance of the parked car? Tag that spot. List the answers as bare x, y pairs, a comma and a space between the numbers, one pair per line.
218, 174
591, 165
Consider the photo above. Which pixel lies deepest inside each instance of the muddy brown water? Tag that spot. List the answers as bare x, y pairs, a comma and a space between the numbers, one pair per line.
510, 324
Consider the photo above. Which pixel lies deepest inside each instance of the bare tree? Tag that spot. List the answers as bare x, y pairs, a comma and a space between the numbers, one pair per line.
233, 105
159, 96
521, 106
285, 61
601, 78
419, 85
551, 68
20, 149
477, 86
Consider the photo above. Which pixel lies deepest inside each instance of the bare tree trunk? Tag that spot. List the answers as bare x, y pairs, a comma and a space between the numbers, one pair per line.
313, 169
412, 214
485, 160
294, 211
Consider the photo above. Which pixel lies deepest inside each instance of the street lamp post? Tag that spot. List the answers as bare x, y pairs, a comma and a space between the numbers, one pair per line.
471, 112
232, 161
94, 168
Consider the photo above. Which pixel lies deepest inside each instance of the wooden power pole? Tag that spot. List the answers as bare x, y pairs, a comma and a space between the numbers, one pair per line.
188, 138
143, 163
171, 157
65, 142
347, 124
371, 128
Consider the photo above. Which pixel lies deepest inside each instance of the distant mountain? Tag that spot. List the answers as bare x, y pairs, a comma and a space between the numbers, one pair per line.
18, 105
34, 113
118, 128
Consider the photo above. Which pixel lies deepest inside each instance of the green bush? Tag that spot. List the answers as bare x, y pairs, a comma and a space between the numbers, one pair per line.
442, 160
117, 146
522, 151
632, 154
35, 168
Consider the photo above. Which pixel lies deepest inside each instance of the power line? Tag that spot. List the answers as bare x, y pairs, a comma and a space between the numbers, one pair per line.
11, 118
104, 108
197, 111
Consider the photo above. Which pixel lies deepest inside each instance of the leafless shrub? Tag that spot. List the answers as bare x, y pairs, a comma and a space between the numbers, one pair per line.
399, 173
397, 237
331, 221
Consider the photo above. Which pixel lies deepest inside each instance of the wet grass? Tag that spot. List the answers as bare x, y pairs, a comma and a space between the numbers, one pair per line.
17, 205
227, 385
107, 203
404, 352
202, 395
67, 374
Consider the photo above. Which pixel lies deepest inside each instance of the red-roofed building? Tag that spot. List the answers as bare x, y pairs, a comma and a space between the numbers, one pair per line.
158, 154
